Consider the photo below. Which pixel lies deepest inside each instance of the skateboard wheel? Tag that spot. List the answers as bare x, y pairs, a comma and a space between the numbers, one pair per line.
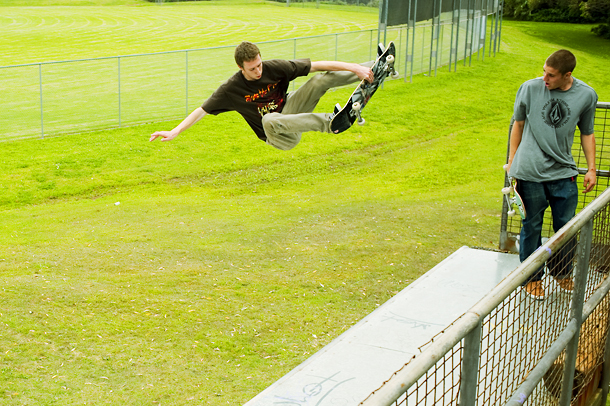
511, 213
361, 121
356, 106
507, 190
390, 59
394, 74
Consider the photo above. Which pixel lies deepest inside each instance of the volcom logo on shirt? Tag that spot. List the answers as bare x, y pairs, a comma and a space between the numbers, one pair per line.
556, 113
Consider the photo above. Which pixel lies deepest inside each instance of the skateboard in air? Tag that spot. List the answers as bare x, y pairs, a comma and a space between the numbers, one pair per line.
384, 65
513, 198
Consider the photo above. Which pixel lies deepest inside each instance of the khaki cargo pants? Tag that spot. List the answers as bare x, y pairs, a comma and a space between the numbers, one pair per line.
283, 130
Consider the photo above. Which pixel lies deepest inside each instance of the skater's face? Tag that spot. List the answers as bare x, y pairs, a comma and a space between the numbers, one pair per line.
252, 70
553, 79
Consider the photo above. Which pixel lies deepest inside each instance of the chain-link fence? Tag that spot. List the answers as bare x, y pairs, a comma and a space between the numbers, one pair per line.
317, 3
432, 37
52, 98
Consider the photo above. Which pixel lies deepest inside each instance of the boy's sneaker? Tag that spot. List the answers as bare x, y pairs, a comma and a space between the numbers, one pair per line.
336, 110
565, 285
535, 290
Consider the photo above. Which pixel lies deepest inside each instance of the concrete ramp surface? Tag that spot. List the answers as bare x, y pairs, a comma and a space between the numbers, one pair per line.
357, 362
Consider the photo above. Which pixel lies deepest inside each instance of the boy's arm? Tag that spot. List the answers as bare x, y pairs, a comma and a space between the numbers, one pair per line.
516, 134
361, 71
588, 147
187, 123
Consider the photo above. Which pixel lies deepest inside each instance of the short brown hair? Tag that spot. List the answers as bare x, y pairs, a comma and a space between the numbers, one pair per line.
563, 60
246, 52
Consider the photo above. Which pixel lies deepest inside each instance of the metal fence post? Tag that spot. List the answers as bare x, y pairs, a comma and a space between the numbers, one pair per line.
414, 23
471, 14
294, 55
500, 16
432, 32
578, 294
457, 35
186, 79
119, 79
41, 106
605, 381
496, 33
407, 41
336, 46
470, 367
371, 46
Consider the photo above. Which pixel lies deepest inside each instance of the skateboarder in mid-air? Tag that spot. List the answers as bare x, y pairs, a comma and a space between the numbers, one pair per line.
259, 92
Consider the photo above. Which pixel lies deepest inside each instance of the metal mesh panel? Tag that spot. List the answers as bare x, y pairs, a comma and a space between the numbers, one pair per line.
439, 385
590, 356
517, 334
600, 245
207, 68
152, 87
80, 96
355, 47
511, 226
20, 112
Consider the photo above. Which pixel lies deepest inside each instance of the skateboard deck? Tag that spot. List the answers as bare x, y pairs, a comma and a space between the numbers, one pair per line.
383, 66
513, 198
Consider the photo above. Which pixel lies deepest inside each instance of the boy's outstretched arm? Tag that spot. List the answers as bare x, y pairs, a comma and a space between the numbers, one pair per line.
362, 72
187, 123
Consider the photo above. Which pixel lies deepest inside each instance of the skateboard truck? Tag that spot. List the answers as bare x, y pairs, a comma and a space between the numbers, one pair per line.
507, 191
390, 67
356, 107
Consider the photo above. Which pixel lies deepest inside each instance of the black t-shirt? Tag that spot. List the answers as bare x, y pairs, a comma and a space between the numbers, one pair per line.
253, 99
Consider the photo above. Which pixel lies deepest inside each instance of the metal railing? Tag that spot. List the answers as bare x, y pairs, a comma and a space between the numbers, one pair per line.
52, 98
510, 349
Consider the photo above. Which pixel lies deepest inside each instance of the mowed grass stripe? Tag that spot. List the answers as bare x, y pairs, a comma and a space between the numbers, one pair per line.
35, 34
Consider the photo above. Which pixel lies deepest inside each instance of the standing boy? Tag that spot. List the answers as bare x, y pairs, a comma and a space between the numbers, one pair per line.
547, 111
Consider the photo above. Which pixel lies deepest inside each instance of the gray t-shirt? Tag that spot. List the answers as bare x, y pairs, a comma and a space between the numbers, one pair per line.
551, 118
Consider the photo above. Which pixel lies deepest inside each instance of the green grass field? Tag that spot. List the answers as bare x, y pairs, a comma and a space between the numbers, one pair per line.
202, 270
123, 27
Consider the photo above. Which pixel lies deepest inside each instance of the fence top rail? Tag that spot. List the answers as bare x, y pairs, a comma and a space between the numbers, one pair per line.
403, 379
181, 50
603, 105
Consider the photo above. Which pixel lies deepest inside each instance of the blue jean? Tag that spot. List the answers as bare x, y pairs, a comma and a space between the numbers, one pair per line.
562, 196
